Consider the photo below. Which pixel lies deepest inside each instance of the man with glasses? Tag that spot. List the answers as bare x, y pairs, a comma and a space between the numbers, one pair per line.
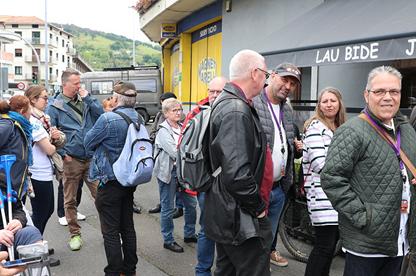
367, 180
235, 212
276, 118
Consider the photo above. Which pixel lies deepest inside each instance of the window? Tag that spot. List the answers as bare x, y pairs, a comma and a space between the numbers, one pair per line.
56, 72
101, 87
145, 85
15, 25
18, 32
50, 28
17, 52
57, 56
35, 37
50, 71
63, 58
50, 36
35, 26
57, 40
63, 43
18, 70
60, 33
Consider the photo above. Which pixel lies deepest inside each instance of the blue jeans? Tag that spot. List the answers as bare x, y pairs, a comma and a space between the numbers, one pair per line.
276, 205
206, 247
189, 203
167, 195
178, 201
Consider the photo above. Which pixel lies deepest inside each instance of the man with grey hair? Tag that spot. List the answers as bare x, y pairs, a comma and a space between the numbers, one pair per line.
114, 202
234, 209
367, 180
74, 112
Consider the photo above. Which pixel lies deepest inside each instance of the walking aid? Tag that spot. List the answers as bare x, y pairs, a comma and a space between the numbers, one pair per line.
6, 162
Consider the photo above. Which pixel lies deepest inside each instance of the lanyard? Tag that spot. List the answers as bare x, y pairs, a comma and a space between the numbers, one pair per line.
278, 122
395, 146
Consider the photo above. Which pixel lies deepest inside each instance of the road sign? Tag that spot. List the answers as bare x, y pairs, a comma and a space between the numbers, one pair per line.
21, 86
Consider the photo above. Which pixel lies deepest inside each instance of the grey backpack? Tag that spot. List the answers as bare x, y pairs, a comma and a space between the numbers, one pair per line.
193, 163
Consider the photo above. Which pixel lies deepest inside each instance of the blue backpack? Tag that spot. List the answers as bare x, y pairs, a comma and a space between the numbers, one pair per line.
134, 166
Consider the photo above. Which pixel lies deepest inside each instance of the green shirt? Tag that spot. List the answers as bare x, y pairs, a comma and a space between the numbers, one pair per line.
77, 103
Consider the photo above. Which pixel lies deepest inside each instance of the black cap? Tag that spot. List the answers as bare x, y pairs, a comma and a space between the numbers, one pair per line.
167, 95
288, 69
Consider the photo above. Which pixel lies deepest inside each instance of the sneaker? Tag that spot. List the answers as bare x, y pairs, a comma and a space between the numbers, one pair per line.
75, 243
80, 216
54, 262
278, 260
63, 221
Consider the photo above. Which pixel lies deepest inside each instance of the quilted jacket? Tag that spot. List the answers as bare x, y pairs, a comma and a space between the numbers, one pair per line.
362, 180
260, 104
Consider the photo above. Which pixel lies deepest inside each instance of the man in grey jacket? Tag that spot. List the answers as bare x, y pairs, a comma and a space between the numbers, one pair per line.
276, 118
74, 112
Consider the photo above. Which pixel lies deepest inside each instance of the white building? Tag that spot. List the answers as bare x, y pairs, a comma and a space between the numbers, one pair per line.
60, 50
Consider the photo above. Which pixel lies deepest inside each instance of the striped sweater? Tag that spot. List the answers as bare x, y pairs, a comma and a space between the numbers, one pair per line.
315, 147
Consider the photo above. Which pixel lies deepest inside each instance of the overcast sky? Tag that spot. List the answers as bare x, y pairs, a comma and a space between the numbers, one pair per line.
112, 16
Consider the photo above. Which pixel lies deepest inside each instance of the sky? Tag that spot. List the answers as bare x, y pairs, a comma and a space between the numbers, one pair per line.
111, 16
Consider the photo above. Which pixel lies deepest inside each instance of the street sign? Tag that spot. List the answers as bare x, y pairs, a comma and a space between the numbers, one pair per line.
21, 86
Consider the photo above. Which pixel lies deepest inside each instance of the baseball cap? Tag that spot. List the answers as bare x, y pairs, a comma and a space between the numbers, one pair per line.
121, 87
166, 96
288, 69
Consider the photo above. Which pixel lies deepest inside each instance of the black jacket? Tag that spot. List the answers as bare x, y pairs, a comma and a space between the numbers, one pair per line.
237, 144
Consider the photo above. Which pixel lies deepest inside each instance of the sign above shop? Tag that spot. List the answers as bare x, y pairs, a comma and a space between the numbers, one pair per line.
168, 30
389, 49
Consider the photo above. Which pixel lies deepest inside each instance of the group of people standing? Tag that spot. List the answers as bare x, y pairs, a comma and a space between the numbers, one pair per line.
357, 178
358, 174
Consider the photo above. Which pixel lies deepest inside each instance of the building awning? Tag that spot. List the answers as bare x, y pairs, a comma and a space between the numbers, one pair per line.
339, 31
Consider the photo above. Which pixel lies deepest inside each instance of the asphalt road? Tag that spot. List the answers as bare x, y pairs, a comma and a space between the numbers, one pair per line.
154, 260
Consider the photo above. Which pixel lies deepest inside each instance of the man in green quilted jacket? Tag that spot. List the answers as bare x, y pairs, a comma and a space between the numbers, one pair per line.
369, 185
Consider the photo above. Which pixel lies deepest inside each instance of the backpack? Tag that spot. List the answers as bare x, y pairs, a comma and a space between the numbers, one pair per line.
134, 166
193, 164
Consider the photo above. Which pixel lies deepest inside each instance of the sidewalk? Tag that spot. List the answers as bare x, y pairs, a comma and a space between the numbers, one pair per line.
154, 260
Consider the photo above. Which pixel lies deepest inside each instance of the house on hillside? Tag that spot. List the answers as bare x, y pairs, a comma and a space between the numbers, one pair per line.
56, 52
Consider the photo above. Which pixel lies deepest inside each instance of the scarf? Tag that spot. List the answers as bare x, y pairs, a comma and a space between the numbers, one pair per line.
41, 116
27, 129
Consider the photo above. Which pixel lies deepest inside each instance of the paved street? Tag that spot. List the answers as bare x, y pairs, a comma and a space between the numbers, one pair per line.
153, 259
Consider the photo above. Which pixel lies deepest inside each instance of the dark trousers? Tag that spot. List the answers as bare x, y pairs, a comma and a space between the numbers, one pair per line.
320, 259
362, 266
115, 208
42, 203
251, 258
60, 208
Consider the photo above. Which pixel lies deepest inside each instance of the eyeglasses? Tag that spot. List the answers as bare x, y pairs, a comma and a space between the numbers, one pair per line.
217, 92
267, 74
176, 110
382, 92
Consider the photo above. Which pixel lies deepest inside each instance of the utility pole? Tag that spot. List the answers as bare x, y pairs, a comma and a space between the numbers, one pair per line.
46, 49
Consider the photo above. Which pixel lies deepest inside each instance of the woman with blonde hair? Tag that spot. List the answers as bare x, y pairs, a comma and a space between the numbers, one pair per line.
319, 129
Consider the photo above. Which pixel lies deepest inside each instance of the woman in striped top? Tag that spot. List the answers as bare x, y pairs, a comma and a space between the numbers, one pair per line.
329, 115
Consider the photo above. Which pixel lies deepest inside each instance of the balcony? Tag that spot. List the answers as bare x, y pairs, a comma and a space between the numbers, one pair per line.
32, 58
35, 41
71, 51
53, 78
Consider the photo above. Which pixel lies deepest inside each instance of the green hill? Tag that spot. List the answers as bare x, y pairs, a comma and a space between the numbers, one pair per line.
100, 49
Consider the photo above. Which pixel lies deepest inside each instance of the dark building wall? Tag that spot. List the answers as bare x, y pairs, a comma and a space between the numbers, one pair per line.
249, 21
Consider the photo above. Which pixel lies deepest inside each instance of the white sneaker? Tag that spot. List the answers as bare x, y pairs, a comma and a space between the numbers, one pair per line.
62, 221
80, 216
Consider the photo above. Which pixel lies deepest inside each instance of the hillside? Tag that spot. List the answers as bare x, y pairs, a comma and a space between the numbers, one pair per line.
100, 49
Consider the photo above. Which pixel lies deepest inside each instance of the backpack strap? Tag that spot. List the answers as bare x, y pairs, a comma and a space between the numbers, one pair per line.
129, 121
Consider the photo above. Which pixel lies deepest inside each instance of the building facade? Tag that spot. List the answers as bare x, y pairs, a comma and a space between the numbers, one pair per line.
334, 42
58, 54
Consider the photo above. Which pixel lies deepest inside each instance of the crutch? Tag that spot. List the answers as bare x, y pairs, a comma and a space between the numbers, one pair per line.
6, 162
